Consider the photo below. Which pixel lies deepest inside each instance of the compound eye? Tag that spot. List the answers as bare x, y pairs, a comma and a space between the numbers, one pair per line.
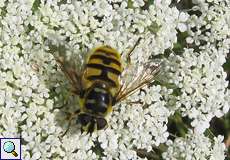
84, 119
101, 123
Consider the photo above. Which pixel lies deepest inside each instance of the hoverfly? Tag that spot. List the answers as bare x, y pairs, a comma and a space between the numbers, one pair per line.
99, 86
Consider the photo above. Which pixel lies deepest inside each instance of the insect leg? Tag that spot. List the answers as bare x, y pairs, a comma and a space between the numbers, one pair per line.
131, 51
72, 115
134, 102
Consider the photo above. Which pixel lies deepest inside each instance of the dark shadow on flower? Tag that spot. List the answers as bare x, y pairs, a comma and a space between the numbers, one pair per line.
58, 84
65, 97
178, 126
154, 154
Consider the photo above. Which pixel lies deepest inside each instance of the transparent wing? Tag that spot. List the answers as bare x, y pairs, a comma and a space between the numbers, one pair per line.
137, 78
68, 67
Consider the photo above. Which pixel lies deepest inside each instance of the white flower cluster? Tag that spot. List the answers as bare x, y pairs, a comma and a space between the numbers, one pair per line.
198, 72
31, 86
195, 146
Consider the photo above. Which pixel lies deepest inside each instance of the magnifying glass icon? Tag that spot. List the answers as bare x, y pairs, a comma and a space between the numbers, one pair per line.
9, 147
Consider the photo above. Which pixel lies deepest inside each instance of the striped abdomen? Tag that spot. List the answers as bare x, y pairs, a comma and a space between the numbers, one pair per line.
104, 64
100, 81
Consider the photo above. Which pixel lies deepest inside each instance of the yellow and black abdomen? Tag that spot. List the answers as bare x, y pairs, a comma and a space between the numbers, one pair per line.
100, 81
104, 65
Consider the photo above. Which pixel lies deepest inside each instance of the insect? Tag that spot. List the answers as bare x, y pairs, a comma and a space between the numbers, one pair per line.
99, 86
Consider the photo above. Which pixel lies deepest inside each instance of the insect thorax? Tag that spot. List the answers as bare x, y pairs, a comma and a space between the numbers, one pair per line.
97, 100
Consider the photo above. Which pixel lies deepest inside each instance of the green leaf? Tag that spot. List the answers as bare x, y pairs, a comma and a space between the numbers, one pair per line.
227, 65
36, 5
130, 4
154, 28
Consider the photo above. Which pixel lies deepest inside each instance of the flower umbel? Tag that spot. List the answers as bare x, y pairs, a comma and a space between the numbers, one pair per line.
191, 45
